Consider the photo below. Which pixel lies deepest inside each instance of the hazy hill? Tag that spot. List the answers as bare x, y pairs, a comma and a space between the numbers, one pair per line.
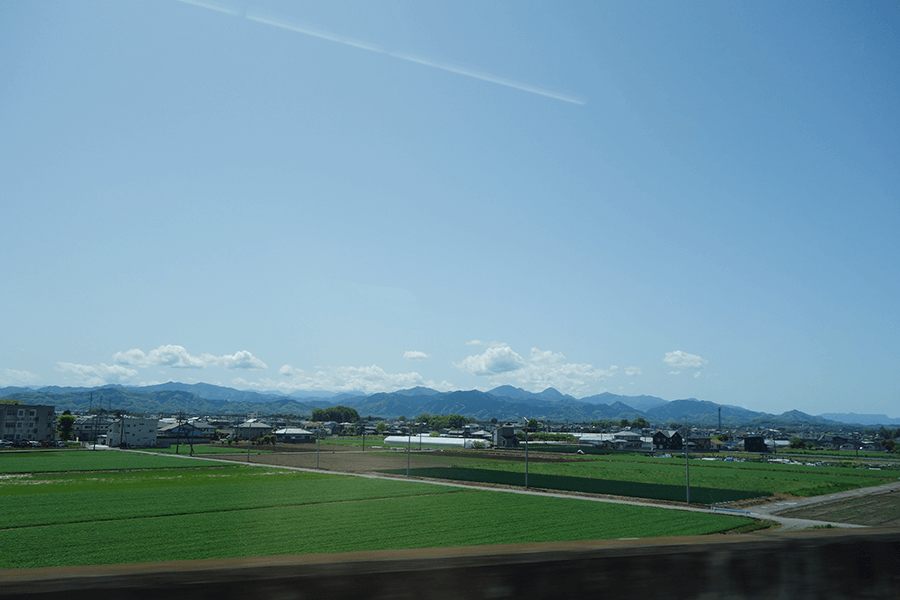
417, 391
853, 419
700, 412
162, 402
208, 391
506, 403
792, 418
639, 402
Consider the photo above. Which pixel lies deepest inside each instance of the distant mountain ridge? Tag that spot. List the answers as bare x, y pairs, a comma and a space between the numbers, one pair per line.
504, 403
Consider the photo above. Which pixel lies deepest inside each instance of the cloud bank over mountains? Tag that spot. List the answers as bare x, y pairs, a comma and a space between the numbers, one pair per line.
498, 364
179, 358
542, 369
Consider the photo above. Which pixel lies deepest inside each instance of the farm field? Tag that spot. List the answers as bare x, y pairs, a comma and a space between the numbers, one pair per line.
773, 478
877, 510
767, 478
112, 507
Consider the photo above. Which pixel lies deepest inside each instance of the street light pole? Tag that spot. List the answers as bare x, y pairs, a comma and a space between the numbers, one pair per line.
408, 448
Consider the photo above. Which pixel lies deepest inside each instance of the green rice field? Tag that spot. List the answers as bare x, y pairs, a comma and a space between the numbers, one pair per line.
769, 478
83, 507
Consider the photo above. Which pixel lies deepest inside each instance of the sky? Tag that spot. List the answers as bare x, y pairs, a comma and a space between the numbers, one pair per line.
682, 200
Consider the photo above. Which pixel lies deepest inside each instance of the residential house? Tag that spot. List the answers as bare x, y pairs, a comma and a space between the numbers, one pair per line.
252, 429
294, 435
667, 439
505, 437
89, 428
185, 430
755, 443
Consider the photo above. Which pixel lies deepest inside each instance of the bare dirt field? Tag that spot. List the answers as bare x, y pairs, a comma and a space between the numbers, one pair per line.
877, 510
353, 460
347, 460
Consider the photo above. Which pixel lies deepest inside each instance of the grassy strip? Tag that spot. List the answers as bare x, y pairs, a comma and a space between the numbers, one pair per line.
86, 460
478, 518
654, 491
185, 449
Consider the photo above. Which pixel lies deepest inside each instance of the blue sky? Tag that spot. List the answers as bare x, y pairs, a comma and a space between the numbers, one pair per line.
672, 199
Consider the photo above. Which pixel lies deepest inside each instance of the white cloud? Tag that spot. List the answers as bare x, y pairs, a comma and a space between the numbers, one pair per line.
542, 369
14, 377
102, 374
679, 360
415, 355
165, 356
238, 360
494, 361
369, 380
488, 344
177, 357
632, 371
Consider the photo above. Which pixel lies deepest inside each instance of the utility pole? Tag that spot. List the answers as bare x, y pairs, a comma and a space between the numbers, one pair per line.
687, 464
408, 448
526, 453
90, 408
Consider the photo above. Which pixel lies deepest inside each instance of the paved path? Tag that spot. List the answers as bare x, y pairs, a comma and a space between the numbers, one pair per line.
769, 511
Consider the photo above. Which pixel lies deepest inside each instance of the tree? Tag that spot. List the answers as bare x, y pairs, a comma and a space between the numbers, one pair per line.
888, 444
493, 420
402, 418
797, 443
623, 423
341, 414
381, 427
65, 422
640, 423
532, 425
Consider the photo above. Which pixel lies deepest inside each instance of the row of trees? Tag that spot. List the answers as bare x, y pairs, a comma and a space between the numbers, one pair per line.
443, 421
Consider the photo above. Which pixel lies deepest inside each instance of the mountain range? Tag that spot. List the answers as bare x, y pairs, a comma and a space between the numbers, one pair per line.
504, 403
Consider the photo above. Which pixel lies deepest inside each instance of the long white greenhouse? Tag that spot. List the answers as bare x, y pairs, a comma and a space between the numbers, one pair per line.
426, 440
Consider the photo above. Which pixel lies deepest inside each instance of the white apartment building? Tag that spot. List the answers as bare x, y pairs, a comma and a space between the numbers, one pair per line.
132, 432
